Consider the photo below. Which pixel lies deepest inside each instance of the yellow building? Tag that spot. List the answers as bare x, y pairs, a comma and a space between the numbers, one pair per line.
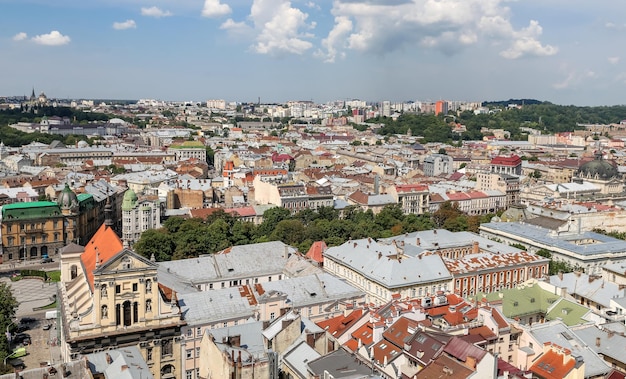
112, 298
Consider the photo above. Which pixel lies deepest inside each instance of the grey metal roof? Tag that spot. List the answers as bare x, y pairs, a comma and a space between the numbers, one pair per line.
298, 356
603, 245
251, 343
313, 289
243, 261
377, 262
210, 307
610, 344
432, 240
558, 333
127, 363
339, 364
598, 290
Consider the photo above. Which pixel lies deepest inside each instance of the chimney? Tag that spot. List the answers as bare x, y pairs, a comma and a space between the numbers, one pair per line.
475, 249
561, 275
470, 362
378, 329
418, 242
234, 340
598, 340
108, 358
286, 254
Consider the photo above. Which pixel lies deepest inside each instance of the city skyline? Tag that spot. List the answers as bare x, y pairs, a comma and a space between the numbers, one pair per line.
470, 50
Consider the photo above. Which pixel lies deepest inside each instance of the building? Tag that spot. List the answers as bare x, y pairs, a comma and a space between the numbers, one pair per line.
511, 165
112, 297
188, 149
438, 164
381, 269
138, 216
586, 251
441, 108
412, 198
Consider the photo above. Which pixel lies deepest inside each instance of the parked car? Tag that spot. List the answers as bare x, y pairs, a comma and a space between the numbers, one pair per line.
22, 338
47, 327
21, 328
27, 320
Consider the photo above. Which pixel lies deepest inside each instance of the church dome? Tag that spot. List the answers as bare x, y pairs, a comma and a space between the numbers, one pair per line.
67, 199
130, 199
597, 169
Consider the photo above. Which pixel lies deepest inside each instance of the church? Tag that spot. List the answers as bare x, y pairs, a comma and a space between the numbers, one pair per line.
112, 298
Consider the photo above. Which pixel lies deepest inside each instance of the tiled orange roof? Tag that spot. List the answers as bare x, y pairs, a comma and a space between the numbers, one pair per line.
397, 332
316, 252
384, 352
553, 365
106, 243
337, 325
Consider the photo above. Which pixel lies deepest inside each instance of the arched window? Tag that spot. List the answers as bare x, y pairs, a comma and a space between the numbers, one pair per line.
73, 272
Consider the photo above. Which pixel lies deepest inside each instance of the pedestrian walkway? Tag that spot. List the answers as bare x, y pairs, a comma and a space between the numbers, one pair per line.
30, 294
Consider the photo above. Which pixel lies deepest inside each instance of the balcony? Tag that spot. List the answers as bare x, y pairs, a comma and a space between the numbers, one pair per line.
37, 229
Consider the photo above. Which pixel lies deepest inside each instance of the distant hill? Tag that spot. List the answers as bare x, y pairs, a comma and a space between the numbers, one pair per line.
504, 103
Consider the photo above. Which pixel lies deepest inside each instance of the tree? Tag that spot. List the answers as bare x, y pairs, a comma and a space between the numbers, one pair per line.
271, 218
155, 241
447, 211
8, 305
555, 266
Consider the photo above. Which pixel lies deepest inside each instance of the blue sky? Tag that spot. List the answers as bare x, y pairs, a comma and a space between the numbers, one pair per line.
567, 52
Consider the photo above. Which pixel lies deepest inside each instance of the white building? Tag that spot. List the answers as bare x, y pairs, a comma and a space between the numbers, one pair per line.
138, 216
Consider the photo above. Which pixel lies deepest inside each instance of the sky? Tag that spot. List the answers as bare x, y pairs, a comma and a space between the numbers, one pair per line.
562, 51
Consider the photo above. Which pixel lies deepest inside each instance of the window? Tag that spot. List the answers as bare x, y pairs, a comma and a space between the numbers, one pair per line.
197, 352
272, 316
189, 374
226, 324
118, 289
33, 239
166, 348
189, 332
189, 354
134, 287
269, 278
9, 228
149, 354
22, 227
198, 332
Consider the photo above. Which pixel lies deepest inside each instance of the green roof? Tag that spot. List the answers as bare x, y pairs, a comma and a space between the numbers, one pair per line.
27, 205
187, 144
84, 196
31, 210
570, 312
531, 299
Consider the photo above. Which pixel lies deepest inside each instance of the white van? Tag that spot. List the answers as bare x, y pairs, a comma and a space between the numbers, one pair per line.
52, 315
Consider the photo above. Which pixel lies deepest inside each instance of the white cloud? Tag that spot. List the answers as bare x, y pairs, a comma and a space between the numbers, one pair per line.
382, 26
128, 24
236, 28
20, 36
280, 28
574, 78
54, 38
213, 8
155, 12
613, 60
336, 39
526, 43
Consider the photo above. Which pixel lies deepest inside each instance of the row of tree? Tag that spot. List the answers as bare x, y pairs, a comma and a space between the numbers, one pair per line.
543, 116
186, 238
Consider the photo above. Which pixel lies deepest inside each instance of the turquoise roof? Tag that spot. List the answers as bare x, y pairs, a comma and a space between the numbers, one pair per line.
31, 210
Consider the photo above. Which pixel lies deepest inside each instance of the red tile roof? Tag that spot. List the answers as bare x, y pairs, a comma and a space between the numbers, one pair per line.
513, 160
553, 364
337, 325
105, 243
316, 252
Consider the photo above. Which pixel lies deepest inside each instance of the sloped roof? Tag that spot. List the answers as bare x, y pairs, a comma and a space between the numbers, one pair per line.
553, 365
316, 252
105, 243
